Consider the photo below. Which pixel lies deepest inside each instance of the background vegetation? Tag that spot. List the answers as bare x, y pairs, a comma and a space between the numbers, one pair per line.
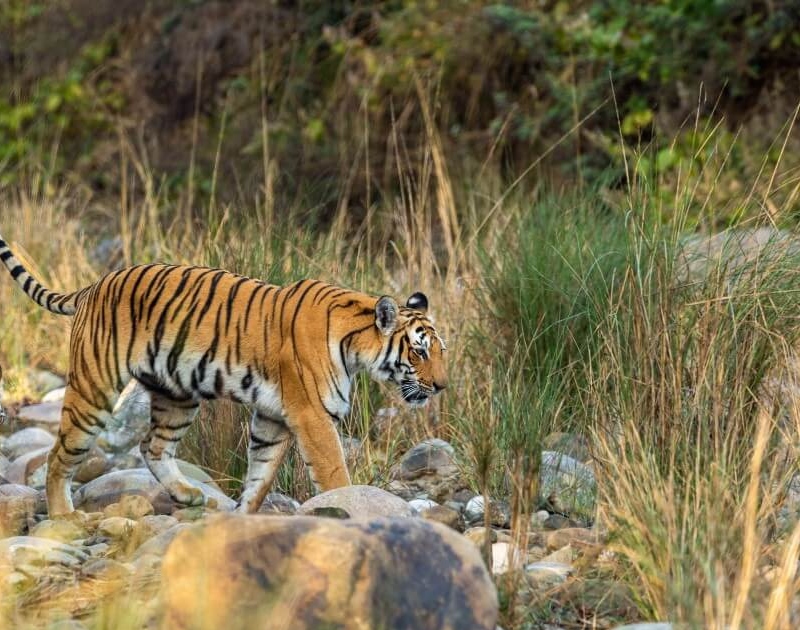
543, 170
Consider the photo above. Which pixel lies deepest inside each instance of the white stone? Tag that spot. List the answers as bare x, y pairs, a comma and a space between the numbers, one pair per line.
474, 509
54, 395
420, 505
501, 561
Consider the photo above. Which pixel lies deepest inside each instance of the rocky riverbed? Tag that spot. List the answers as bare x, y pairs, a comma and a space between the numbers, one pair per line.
406, 556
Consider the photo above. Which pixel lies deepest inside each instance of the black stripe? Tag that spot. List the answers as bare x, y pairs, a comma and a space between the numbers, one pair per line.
179, 343
159, 433
232, 293
17, 271
6, 254
212, 290
256, 444
250, 301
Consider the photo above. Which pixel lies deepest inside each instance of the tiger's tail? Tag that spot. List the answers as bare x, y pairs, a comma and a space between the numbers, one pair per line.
58, 303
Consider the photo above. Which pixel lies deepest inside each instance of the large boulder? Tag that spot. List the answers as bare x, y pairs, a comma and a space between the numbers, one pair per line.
240, 571
356, 502
111, 487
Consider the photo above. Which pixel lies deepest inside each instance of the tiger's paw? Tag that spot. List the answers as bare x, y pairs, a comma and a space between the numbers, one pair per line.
187, 495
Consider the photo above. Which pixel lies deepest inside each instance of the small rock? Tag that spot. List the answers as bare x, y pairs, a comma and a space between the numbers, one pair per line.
17, 490
156, 524
97, 550
420, 505
557, 521
277, 503
455, 505
478, 535
106, 569
196, 473
401, 489
569, 483
379, 573
430, 457
565, 555
547, 574
359, 502
117, 527
129, 460
572, 444
501, 562
130, 506
570, 535
463, 495
538, 518
55, 395
500, 513
29, 469
27, 440
46, 416
61, 530
30, 551
95, 465
444, 515
44, 380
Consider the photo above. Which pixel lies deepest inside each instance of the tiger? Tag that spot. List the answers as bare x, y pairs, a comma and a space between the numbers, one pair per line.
189, 333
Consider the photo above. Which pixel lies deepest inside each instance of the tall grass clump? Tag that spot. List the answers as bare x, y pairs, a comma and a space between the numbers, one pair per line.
691, 430
545, 295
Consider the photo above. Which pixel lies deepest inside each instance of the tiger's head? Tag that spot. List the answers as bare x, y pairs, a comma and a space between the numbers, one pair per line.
412, 355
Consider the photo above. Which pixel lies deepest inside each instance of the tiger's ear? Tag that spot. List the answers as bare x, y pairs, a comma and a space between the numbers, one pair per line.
386, 315
418, 301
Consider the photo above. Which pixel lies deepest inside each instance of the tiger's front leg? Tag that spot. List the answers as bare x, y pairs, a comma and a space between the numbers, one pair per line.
321, 449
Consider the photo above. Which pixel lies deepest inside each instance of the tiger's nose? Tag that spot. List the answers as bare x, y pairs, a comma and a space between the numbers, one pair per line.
438, 387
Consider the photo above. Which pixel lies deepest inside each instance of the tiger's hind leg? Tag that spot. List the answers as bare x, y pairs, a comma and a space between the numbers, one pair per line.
170, 420
81, 421
269, 442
